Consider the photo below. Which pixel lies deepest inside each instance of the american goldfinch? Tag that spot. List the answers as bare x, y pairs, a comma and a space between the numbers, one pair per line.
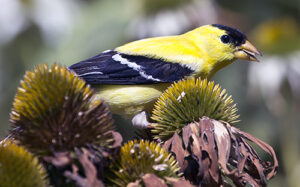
131, 77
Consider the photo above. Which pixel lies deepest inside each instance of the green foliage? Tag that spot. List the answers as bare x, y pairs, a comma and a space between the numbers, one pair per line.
140, 157
188, 100
18, 167
53, 111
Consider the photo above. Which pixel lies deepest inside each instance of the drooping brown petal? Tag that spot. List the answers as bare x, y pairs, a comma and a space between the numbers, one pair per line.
241, 179
84, 166
208, 145
59, 160
267, 148
193, 167
90, 170
176, 148
152, 180
117, 139
223, 144
179, 182
212, 151
134, 184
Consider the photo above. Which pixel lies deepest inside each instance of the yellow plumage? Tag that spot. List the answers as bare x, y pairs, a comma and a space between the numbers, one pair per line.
129, 100
151, 65
198, 49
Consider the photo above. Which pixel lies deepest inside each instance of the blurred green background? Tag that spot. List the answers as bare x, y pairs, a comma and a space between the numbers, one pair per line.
267, 93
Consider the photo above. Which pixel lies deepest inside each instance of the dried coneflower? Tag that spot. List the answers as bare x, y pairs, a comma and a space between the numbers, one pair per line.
54, 116
209, 150
18, 167
52, 111
188, 100
140, 161
211, 153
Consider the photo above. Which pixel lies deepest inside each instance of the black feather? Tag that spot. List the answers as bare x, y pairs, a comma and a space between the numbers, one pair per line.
238, 38
103, 69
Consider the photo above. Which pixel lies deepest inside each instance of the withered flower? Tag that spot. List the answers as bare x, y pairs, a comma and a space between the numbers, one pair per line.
188, 100
140, 161
209, 150
55, 117
52, 111
18, 167
211, 153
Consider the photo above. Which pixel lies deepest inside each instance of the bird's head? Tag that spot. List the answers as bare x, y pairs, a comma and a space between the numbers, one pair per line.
223, 44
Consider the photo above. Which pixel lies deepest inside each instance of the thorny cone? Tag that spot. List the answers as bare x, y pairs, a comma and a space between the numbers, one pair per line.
137, 159
18, 167
211, 153
52, 111
187, 101
54, 117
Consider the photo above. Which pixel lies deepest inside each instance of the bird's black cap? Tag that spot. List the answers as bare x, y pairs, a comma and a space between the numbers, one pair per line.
238, 38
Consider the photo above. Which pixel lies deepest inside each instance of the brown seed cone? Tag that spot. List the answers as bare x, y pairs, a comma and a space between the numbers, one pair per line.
53, 111
54, 116
188, 100
18, 167
138, 160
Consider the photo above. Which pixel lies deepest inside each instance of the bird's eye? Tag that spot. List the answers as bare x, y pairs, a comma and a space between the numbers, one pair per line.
225, 39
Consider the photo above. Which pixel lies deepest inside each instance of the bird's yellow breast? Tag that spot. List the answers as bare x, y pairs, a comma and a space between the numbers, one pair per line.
129, 100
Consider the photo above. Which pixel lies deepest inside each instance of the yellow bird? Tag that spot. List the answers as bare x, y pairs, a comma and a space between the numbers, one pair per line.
131, 77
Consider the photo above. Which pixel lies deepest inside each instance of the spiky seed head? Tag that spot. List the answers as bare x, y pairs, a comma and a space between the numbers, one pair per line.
53, 111
188, 100
18, 167
140, 157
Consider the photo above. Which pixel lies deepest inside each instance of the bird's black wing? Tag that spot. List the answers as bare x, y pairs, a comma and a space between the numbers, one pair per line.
112, 67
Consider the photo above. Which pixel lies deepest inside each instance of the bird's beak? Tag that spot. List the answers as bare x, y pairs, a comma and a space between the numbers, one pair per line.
247, 52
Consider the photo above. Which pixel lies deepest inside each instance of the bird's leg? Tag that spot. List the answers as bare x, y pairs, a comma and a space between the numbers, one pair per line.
140, 120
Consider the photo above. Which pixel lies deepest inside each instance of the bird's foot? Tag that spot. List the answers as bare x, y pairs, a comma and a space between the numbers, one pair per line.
140, 121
